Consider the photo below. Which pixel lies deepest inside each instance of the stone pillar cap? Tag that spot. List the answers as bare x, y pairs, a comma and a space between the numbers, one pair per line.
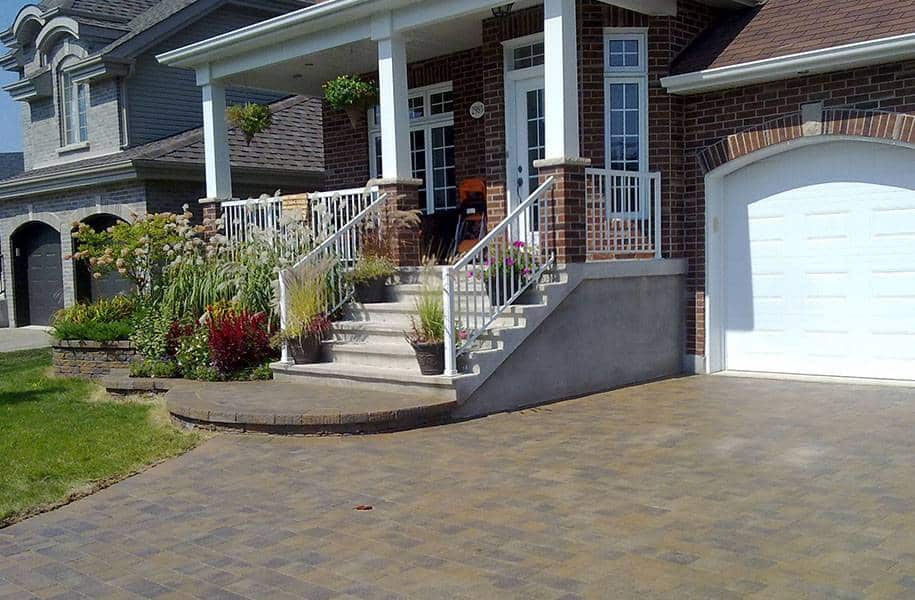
563, 161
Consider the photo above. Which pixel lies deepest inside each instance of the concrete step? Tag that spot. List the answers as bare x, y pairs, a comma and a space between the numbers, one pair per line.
369, 379
398, 356
399, 314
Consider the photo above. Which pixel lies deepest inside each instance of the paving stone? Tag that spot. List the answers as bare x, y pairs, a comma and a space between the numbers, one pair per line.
773, 489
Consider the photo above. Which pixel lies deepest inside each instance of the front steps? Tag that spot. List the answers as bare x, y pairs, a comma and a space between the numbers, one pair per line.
368, 349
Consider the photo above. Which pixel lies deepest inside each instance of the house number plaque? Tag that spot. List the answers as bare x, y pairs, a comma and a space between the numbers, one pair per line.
477, 110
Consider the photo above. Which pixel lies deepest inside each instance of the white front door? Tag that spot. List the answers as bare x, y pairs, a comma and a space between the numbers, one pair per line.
528, 146
818, 262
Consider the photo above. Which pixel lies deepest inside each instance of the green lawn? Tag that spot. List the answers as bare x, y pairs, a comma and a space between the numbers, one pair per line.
62, 437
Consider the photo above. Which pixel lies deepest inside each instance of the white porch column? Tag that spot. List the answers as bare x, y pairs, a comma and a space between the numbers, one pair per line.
392, 87
216, 142
561, 79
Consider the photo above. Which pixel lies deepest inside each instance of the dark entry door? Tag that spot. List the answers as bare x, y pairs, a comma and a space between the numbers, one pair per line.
38, 274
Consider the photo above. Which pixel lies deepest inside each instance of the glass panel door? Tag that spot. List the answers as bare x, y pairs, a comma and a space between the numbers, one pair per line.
530, 142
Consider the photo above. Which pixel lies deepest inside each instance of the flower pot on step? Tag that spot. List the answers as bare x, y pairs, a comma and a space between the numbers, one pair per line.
305, 350
372, 291
500, 291
431, 358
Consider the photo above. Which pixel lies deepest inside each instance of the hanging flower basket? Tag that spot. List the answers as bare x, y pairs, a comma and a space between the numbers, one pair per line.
352, 94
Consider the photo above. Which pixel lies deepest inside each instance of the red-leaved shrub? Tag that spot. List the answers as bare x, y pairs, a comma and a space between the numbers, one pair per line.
239, 341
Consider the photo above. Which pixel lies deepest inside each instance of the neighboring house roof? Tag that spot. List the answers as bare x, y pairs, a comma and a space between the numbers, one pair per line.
293, 145
787, 27
11, 163
136, 25
117, 10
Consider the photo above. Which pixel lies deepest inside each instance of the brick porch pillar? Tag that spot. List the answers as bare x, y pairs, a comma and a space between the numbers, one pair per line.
403, 195
567, 214
211, 210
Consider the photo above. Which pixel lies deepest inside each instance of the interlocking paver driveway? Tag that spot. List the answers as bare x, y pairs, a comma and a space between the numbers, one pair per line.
695, 488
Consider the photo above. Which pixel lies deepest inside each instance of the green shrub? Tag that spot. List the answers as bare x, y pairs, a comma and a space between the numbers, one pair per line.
114, 331
151, 326
194, 352
106, 320
141, 369
369, 268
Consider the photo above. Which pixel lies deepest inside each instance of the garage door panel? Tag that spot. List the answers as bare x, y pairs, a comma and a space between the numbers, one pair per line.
819, 262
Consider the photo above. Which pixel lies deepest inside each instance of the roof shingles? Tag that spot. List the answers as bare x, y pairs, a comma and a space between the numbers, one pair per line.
784, 27
294, 143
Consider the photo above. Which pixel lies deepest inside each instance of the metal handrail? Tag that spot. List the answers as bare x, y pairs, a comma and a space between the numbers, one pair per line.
342, 247
475, 293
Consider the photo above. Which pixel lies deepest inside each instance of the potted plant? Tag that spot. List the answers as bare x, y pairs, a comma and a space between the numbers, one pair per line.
370, 277
427, 334
505, 271
305, 343
352, 94
307, 322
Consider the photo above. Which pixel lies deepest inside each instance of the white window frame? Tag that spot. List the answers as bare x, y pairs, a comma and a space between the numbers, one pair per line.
71, 130
426, 124
638, 75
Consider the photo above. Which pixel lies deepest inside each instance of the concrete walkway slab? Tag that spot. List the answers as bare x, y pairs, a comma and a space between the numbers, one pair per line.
707, 487
24, 338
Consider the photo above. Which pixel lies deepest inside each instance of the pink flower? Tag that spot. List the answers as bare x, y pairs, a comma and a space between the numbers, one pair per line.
470, 275
518, 244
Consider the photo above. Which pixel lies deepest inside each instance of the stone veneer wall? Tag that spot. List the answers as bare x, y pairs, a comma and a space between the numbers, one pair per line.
91, 360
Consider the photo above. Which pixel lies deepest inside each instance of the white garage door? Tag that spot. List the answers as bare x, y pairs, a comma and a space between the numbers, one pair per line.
819, 262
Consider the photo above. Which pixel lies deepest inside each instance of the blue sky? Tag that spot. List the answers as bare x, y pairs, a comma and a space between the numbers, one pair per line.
10, 129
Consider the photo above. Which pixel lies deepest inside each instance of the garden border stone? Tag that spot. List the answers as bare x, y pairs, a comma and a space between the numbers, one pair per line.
91, 360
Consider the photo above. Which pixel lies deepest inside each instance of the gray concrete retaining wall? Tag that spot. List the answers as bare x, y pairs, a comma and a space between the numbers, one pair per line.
609, 332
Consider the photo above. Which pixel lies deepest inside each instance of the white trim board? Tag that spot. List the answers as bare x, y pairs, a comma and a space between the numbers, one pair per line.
836, 58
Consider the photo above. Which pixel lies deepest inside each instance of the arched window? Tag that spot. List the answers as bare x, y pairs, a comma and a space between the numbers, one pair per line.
74, 105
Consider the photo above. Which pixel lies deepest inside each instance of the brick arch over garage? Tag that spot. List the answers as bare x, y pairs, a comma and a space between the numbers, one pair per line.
811, 121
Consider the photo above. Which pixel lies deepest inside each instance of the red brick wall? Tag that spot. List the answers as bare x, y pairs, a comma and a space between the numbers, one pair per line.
347, 150
708, 118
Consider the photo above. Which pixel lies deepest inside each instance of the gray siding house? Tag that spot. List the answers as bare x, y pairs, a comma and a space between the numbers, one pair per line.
109, 132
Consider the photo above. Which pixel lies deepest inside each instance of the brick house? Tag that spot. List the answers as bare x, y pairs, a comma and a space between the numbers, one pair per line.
753, 152
109, 132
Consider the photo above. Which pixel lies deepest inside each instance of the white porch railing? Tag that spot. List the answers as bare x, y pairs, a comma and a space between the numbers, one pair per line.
341, 250
623, 214
330, 211
242, 220
480, 286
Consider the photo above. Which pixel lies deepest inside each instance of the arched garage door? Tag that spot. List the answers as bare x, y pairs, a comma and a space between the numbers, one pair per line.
819, 262
38, 273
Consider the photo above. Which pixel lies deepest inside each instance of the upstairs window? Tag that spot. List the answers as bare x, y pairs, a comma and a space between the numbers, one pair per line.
74, 108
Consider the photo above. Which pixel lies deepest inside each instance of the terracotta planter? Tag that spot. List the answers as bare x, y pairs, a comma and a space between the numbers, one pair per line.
306, 350
431, 358
372, 291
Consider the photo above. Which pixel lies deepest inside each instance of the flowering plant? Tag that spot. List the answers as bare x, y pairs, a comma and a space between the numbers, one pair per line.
515, 261
139, 250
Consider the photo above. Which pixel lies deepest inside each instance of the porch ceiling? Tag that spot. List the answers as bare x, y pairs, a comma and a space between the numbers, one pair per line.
305, 74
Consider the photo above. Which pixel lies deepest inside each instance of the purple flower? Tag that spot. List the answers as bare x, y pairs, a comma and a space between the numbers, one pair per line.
510, 261
470, 275
526, 271
518, 244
